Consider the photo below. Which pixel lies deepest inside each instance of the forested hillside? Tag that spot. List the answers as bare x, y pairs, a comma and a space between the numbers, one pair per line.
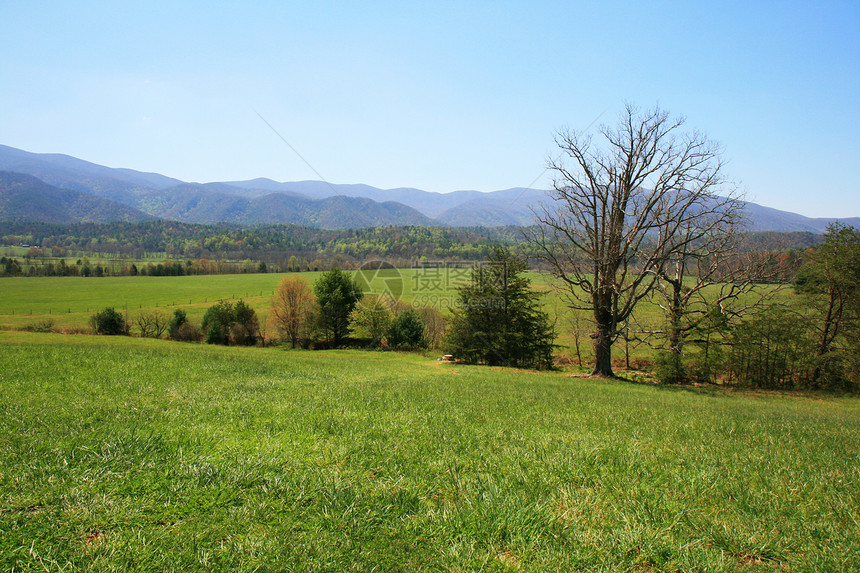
26, 198
272, 243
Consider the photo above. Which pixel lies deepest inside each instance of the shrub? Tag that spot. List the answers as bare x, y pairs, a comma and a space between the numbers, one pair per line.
187, 332
152, 324
245, 327
46, 325
109, 322
179, 318
216, 323
668, 368
225, 323
406, 331
771, 350
371, 319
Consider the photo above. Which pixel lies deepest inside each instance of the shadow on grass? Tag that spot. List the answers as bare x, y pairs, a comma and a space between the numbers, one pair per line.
714, 389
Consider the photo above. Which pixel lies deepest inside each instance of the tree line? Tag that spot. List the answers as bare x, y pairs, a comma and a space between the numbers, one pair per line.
123, 249
643, 213
332, 313
284, 247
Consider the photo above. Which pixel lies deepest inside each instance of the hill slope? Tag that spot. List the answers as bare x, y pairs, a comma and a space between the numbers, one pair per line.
26, 198
315, 203
195, 203
141, 454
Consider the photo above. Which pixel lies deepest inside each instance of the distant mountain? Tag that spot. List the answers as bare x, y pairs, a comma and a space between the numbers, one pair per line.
26, 198
196, 203
515, 202
69, 172
763, 218
315, 203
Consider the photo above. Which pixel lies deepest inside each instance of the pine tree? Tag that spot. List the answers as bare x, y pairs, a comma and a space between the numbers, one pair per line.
499, 320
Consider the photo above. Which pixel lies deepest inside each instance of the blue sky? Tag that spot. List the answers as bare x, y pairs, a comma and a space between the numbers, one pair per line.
440, 96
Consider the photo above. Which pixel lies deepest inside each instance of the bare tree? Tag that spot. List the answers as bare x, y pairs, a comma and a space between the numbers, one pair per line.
831, 283
702, 284
292, 306
710, 285
625, 210
152, 324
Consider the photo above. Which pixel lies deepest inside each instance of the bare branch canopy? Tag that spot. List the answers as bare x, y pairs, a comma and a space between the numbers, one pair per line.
623, 206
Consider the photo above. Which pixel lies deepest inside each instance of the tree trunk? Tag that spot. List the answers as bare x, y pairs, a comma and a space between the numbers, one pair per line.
826, 339
603, 336
676, 342
603, 345
603, 356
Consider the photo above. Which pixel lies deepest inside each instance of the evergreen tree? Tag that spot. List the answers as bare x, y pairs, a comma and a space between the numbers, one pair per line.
406, 331
499, 320
337, 294
179, 318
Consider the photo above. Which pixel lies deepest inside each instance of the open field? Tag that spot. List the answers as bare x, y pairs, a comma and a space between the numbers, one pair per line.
70, 301
122, 454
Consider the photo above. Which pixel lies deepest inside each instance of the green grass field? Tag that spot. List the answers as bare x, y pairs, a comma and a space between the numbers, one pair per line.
124, 454
70, 301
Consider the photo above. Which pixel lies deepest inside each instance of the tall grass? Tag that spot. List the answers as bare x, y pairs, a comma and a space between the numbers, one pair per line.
141, 455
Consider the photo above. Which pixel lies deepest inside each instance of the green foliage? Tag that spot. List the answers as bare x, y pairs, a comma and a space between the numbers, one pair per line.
669, 368
40, 326
217, 321
830, 281
406, 331
770, 350
285, 247
109, 321
245, 328
228, 323
176, 321
188, 332
9, 266
434, 325
337, 294
371, 319
499, 320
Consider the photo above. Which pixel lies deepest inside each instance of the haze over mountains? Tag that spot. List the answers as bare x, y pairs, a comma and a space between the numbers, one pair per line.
63, 189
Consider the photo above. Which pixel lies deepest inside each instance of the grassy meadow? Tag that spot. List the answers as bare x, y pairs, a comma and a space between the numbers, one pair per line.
125, 454
68, 302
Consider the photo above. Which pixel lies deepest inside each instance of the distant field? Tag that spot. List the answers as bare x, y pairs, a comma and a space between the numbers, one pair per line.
124, 454
70, 301
10, 251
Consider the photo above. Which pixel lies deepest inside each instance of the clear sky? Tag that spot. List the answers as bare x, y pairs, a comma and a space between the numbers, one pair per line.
439, 95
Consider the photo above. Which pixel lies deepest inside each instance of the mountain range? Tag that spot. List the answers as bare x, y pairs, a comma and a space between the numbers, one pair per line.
63, 189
